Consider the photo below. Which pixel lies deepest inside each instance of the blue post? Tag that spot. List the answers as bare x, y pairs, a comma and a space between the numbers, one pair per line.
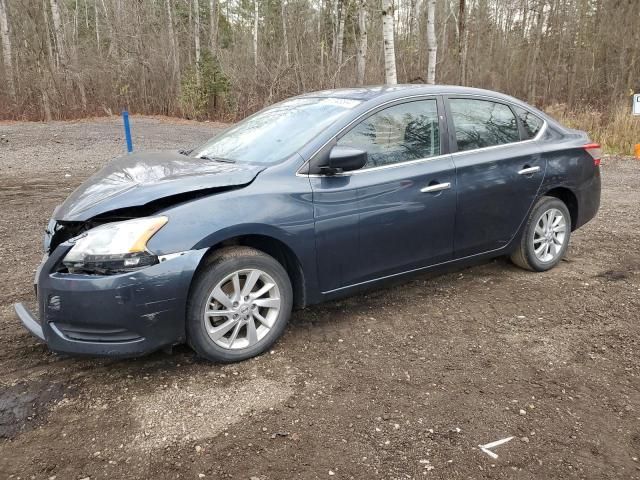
127, 131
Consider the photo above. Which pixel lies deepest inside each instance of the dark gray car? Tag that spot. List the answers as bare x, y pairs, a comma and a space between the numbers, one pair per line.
314, 198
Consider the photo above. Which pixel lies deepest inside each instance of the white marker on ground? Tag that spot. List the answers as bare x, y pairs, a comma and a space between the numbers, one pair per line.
487, 447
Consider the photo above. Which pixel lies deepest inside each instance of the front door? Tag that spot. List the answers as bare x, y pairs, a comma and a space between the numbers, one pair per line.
498, 174
397, 213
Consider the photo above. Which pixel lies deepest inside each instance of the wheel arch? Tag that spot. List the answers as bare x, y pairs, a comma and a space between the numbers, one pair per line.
569, 198
272, 246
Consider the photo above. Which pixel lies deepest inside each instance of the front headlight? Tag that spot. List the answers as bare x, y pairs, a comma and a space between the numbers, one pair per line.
114, 247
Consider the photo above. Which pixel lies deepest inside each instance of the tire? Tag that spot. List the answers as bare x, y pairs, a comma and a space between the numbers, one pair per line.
525, 255
217, 293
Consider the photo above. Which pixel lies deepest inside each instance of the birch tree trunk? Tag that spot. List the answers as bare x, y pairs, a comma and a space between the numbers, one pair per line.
285, 39
75, 24
361, 60
525, 17
340, 39
213, 26
47, 30
174, 45
334, 26
390, 77
414, 19
74, 59
58, 32
432, 42
112, 31
196, 38
255, 37
95, 8
465, 50
7, 54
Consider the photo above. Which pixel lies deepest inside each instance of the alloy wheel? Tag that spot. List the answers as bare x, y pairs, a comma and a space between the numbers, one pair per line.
549, 235
242, 308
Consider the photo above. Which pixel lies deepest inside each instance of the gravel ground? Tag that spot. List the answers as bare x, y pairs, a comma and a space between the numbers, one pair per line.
399, 383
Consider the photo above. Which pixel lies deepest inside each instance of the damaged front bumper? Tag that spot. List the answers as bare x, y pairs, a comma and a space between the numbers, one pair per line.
123, 315
29, 321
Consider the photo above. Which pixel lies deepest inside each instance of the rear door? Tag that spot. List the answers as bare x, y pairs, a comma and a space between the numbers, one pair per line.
395, 214
498, 173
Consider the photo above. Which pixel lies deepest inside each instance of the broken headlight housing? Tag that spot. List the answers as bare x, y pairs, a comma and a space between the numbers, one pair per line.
114, 247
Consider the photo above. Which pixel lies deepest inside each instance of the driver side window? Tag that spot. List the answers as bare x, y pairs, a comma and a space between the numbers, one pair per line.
401, 133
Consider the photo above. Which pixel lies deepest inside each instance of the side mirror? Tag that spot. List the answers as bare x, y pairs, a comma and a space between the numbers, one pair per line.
344, 159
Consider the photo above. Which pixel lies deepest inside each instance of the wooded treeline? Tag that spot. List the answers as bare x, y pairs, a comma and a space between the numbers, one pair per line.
224, 59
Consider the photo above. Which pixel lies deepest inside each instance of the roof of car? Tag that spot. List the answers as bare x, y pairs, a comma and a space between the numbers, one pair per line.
398, 91
382, 93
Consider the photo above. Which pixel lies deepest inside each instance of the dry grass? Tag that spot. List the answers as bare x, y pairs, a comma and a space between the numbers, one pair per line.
616, 130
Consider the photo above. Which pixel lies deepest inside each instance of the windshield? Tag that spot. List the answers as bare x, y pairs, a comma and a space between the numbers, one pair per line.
276, 132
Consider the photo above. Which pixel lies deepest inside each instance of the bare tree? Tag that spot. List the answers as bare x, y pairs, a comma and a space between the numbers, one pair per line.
463, 43
532, 73
174, 44
213, 26
47, 30
76, 11
97, 20
44, 94
432, 42
196, 38
285, 38
111, 29
255, 36
63, 59
577, 53
58, 32
414, 26
7, 54
389, 47
361, 59
340, 38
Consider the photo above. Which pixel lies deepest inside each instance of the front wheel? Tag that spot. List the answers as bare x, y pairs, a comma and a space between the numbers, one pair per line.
546, 236
239, 305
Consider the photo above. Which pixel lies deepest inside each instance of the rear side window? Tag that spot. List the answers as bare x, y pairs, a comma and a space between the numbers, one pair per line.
401, 133
530, 122
480, 123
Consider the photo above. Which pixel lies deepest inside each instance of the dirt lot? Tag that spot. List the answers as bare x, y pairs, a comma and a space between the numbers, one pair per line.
400, 383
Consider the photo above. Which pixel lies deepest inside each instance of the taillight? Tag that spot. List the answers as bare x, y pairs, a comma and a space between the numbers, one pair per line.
595, 151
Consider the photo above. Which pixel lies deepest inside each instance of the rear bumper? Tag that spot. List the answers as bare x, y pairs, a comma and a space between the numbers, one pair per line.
120, 315
588, 199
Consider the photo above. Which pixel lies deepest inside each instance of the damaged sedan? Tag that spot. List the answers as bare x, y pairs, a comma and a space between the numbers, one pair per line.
315, 198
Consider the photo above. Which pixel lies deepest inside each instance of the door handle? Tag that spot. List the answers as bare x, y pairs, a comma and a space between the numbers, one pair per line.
436, 188
529, 170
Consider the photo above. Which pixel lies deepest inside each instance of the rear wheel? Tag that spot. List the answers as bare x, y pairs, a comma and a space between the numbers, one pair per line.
546, 236
239, 305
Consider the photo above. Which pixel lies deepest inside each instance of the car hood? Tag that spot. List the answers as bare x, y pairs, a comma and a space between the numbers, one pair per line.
137, 179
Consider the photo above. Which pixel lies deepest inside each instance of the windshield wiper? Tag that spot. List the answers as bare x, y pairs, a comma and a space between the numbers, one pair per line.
217, 159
